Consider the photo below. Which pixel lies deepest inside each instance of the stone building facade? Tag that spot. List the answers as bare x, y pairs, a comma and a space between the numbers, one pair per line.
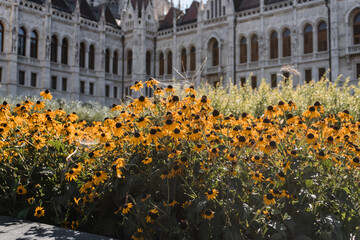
84, 50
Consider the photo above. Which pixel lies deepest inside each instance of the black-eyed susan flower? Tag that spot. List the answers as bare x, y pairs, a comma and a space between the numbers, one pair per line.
152, 83
311, 138
311, 113
71, 175
211, 194
208, 214
31, 200
137, 86
171, 203
152, 215
355, 162
281, 176
147, 160
21, 190
125, 209
258, 176
99, 177
269, 199
39, 212
46, 95
170, 89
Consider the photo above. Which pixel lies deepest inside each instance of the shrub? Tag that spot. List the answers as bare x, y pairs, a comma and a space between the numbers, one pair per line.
177, 168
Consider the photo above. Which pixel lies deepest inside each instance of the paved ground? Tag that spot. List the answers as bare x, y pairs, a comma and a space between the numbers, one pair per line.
14, 229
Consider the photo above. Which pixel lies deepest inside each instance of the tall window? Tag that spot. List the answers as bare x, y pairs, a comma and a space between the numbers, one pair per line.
169, 63
82, 55
183, 60
115, 63
1, 38
286, 44
148, 63
129, 62
54, 46
243, 50
33, 79
192, 59
308, 75
308, 39
322, 37
64, 51
356, 29
22, 42
161, 64
274, 45
92, 57
214, 46
254, 49
212, 9
253, 82
34, 44
219, 8
107, 60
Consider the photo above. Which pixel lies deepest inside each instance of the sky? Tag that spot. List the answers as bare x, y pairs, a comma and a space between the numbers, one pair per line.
184, 3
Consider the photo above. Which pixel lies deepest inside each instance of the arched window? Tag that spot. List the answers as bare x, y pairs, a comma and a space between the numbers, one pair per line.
64, 51
192, 59
54, 46
208, 14
34, 44
243, 50
308, 39
129, 62
356, 29
161, 64
286, 44
107, 60
115, 62
169, 63
82, 55
22, 42
148, 63
254, 49
1, 38
183, 66
92, 57
322, 37
274, 45
214, 47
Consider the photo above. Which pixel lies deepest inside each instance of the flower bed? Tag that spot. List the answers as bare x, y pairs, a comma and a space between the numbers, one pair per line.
175, 168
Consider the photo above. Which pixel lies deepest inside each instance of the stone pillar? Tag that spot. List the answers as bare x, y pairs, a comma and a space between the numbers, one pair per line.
45, 81
12, 69
74, 55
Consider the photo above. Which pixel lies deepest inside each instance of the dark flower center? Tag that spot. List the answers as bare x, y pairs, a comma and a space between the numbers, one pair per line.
269, 196
118, 125
208, 212
98, 174
141, 98
310, 136
153, 131
216, 113
270, 108
137, 135
177, 131
312, 109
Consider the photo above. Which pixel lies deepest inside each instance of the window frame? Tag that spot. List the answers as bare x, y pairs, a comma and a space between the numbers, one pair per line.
34, 43
22, 42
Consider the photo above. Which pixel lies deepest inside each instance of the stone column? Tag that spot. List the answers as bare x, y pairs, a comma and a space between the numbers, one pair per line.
12, 69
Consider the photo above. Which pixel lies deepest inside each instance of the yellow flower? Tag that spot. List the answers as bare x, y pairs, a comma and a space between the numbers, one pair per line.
125, 209
99, 177
208, 214
46, 95
281, 176
39, 212
269, 199
31, 200
137, 86
152, 82
21, 190
258, 177
211, 194
71, 175
152, 216
147, 160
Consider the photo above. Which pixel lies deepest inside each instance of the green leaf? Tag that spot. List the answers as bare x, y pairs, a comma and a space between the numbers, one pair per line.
23, 213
